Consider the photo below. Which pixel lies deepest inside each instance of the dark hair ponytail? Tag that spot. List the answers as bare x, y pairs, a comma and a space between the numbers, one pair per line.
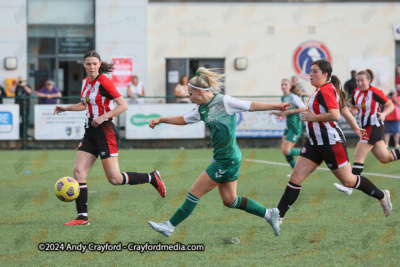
342, 94
104, 67
326, 67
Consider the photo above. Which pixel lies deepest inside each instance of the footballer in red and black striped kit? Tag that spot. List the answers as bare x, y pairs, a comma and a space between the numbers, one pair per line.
101, 136
367, 101
326, 141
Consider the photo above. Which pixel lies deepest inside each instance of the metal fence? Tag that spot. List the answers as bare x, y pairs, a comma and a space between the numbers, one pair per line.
27, 104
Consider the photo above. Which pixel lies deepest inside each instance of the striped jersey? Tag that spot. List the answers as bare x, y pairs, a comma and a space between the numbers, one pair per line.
324, 133
368, 104
98, 97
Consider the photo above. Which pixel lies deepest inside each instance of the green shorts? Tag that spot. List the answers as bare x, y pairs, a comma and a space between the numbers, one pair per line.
292, 135
221, 172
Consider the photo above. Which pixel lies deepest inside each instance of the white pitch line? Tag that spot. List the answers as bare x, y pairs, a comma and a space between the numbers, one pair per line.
320, 168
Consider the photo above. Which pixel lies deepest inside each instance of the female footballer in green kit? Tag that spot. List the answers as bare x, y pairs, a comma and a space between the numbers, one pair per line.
294, 126
218, 113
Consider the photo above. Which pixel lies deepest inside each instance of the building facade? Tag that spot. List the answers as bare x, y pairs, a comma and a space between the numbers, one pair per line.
267, 41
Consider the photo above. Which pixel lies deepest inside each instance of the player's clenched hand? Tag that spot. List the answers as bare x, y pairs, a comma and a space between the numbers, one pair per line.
59, 109
99, 120
381, 116
283, 106
362, 133
154, 122
307, 116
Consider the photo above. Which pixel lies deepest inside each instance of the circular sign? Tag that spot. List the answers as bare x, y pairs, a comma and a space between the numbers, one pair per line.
305, 54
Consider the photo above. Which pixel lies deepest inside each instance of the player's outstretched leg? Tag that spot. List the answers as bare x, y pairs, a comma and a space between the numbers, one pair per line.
370, 189
154, 178
184, 211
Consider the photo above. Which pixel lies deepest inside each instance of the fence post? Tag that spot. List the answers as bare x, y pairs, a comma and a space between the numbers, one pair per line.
24, 123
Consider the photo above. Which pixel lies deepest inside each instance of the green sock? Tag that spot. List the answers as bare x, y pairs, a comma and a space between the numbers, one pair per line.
291, 160
185, 210
294, 151
249, 206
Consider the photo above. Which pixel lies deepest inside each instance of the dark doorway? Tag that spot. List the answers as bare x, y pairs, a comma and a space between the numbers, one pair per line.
177, 67
70, 76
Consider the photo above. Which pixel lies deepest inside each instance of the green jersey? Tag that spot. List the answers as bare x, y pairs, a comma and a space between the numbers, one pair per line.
219, 116
293, 121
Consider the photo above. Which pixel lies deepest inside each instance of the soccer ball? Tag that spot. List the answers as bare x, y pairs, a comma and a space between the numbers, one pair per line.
67, 189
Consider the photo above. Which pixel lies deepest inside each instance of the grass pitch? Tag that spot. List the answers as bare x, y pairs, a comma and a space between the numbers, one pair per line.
324, 227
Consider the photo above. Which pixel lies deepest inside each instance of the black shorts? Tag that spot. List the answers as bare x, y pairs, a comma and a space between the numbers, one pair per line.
374, 134
102, 140
335, 156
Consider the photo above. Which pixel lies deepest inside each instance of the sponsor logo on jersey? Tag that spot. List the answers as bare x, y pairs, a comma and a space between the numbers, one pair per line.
305, 54
303, 150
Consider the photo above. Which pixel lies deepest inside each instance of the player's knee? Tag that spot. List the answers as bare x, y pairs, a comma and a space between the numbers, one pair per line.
114, 182
114, 179
296, 178
285, 151
79, 174
385, 160
349, 183
228, 201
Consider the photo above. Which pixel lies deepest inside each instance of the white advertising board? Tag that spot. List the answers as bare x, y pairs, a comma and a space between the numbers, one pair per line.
260, 124
138, 118
64, 126
9, 122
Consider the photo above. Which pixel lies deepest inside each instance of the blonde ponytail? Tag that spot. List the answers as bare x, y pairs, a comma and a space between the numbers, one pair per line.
208, 78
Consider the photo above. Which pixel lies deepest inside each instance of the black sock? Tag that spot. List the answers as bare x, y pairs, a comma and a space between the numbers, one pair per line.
133, 178
368, 187
154, 180
289, 197
357, 168
396, 154
81, 200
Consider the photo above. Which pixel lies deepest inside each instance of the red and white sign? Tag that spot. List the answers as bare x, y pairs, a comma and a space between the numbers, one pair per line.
123, 71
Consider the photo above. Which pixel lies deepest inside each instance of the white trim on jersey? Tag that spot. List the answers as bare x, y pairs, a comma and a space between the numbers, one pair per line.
343, 164
233, 105
297, 101
192, 116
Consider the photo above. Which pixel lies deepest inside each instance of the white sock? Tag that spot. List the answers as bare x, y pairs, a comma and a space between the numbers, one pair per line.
170, 225
268, 215
149, 178
83, 214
